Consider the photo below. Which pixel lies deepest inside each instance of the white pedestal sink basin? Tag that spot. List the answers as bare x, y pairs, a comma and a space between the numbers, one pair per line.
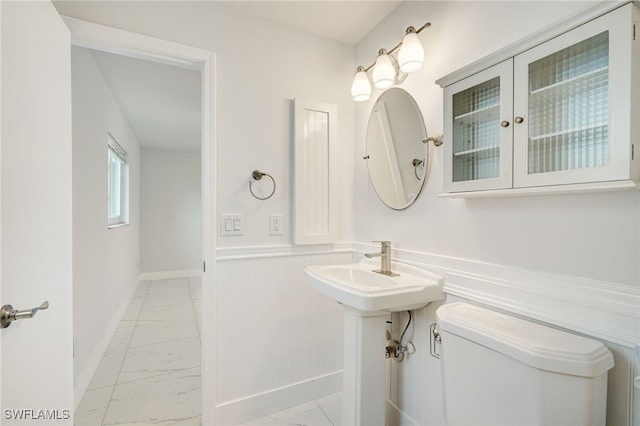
367, 298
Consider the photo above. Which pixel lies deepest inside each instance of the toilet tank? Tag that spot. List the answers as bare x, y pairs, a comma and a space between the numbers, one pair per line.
502, 370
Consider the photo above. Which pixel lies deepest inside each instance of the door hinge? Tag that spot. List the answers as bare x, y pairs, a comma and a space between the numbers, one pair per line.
633, 152
634, 31
204, 266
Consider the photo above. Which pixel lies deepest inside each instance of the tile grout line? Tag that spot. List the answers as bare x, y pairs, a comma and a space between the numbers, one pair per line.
104, 417
323, 412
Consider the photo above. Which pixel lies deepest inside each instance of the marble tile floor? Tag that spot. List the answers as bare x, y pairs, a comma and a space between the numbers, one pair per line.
150, 373
323, 412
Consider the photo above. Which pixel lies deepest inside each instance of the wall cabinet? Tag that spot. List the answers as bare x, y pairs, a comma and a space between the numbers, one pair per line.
560, 114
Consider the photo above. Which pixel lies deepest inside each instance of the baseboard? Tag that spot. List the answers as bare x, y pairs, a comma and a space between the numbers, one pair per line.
167, 275
394, 416
275, 400
85, 376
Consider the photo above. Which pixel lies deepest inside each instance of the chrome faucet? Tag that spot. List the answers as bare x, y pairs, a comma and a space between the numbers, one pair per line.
385, 258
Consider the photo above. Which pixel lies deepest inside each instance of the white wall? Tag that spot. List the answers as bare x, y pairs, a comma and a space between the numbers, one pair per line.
105, 261
261, 67
562, 234
590, 238
170, 216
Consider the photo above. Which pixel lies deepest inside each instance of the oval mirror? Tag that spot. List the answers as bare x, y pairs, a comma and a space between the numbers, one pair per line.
396, 155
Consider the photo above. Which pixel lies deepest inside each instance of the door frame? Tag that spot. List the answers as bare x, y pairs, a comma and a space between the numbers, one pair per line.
125, 43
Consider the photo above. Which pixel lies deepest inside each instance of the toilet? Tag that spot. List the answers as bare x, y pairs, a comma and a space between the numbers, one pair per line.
502, 370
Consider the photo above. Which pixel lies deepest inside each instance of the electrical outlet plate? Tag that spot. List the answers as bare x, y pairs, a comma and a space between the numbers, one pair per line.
230, 224
275, 224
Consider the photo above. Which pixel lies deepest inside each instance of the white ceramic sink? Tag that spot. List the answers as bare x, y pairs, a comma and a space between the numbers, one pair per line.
355, 285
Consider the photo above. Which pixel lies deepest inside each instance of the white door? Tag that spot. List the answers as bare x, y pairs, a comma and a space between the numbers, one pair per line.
35, 218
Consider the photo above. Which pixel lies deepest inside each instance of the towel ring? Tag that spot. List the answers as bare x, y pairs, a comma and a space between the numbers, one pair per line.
257, 175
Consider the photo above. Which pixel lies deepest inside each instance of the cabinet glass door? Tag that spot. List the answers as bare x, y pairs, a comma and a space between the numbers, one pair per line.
569, 108
476, 119
479, 149
565, 96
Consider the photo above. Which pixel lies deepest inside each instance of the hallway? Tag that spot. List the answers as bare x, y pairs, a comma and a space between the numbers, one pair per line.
151, 370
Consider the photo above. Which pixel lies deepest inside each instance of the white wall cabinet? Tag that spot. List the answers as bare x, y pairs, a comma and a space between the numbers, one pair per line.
557, 116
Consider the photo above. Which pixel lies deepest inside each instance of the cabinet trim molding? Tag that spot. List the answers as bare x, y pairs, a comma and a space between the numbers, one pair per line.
545, 34
577, 188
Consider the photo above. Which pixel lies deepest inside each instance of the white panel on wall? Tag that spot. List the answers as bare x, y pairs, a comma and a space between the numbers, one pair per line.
283, 344
314, 195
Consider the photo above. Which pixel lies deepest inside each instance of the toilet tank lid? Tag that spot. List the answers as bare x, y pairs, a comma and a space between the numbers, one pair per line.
537, 345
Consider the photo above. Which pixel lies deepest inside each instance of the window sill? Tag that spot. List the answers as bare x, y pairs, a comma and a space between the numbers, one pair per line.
117, 225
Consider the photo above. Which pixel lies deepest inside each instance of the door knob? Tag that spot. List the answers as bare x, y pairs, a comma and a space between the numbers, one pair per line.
9, 315
518, 119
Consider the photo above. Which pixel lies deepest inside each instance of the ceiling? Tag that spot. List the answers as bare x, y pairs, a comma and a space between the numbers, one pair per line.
344, 21
162, 103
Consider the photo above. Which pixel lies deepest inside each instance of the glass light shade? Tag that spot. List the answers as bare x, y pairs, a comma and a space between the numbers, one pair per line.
411, 53
384, 73
361, 88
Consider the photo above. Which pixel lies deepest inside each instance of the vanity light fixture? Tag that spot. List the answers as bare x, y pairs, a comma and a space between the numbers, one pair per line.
411, 54
387, 70
361, 88
384, 72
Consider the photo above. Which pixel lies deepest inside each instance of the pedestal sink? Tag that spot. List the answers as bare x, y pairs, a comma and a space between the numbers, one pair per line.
367, 298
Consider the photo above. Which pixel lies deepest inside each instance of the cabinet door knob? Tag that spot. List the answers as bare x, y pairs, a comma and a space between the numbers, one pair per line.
518, 119
504, 123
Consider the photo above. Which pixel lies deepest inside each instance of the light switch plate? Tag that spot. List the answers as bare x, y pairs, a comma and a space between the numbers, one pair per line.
230, 224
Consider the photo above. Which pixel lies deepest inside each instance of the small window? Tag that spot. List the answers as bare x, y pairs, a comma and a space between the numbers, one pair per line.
118, 177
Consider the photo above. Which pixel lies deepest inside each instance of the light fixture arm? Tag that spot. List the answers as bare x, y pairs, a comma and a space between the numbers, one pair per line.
410, 29
389, 69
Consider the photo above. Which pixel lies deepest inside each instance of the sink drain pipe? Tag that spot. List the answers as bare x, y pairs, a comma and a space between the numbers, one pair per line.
396, 349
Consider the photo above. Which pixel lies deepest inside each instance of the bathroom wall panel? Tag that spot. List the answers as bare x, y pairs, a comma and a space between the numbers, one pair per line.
275, 333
